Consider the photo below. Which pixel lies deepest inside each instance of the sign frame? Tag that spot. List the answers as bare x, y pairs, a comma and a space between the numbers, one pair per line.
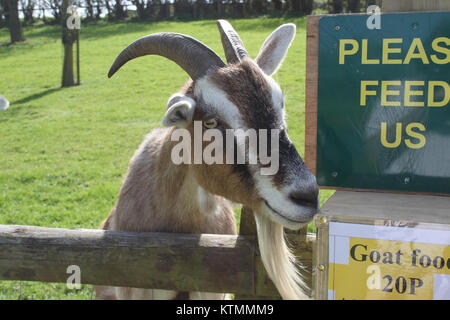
321, 256
311, 104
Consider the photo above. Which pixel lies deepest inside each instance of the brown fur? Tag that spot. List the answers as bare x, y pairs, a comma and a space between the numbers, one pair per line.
158, 195
247, 88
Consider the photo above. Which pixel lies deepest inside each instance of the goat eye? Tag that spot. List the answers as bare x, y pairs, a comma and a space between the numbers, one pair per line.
210, 123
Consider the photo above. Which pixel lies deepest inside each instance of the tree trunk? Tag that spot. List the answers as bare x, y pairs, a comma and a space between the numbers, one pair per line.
89, 9
307, 6
67, 78
167, 12
354, 5
56, 10
219, 9
27, 9
337, 6
120, 13
258, 6
15, 27
2, 14
295, 6
277, 5
42, 4
68, 37
108, 9
98, 10
196, 7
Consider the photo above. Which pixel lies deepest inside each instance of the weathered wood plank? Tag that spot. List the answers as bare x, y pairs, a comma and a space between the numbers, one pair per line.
206, 262
389, 206
311, 90
185, 262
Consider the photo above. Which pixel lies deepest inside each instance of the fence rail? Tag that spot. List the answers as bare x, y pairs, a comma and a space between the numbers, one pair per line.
185, 262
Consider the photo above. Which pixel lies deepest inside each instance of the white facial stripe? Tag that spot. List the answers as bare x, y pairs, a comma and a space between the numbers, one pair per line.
277, 97
217, 99
269, 192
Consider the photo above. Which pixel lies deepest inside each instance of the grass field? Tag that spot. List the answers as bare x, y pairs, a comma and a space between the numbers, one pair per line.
64, 152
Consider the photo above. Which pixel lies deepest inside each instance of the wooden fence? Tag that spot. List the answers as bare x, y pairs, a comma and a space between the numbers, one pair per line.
184, 262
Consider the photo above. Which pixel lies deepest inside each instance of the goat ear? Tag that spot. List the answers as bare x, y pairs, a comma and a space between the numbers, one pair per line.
274, 49
180, 112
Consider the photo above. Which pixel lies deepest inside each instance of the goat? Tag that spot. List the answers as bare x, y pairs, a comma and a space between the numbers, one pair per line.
160, 196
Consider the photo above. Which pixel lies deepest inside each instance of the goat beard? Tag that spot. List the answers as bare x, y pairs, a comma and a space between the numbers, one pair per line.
278, 259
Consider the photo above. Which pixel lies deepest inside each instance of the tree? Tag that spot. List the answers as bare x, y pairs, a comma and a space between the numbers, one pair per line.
258, 6
108, 9
277, 5
55, 7
119, 11
164, 10
27, 9
182, 9
98, 11
337, 6
3, 22
354, 5
89, 9
68, 38
42, 8
93, 9
307, 6
12, 16
143, 8
219, 7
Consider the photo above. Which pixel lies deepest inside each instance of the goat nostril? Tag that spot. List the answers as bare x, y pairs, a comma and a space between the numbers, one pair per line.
304, 198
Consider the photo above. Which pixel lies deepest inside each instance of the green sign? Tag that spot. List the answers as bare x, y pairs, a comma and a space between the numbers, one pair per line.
383, 102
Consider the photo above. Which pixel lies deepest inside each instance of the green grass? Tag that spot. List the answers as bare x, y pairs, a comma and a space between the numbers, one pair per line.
64, 152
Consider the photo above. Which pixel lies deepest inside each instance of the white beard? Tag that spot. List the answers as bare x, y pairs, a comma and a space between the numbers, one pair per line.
278, 259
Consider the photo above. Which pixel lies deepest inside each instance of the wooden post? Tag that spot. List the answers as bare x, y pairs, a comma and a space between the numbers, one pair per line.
247, 227
182, 262
311, 90
170, 261
68, 37
78, 57
302, 245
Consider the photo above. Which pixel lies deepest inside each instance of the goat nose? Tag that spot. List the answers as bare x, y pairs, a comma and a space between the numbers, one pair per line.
307, 197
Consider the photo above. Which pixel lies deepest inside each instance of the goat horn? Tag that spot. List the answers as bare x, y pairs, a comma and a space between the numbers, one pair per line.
193, 56
232, 43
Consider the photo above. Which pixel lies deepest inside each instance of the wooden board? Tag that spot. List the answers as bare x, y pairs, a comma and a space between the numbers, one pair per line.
377, 205
312, 69
211, 263
377, 219
182, 262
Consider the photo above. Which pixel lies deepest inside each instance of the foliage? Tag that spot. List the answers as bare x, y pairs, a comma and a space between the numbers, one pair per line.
153, 10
